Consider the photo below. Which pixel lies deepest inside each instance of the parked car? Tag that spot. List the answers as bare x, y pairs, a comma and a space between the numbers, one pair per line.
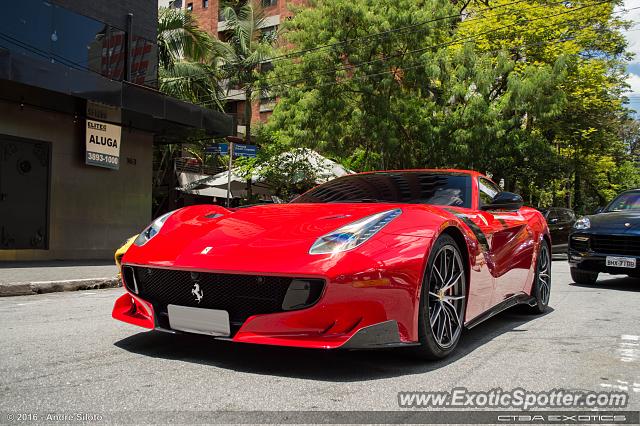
560, 221
608, 241
119, 254
371, 260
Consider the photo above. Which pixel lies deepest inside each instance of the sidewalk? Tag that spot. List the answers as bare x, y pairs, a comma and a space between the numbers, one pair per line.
25, 278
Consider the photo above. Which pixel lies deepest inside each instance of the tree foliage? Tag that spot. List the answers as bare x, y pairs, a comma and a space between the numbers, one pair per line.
529, 92
189, 59
247, 49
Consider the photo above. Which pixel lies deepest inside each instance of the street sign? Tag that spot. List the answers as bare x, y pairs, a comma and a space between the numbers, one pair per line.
239, 150
213, 149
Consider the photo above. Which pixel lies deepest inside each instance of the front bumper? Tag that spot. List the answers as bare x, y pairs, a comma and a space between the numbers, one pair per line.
358, 327
370, 296
583, 257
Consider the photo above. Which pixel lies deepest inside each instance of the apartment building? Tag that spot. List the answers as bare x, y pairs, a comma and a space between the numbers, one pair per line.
208, 14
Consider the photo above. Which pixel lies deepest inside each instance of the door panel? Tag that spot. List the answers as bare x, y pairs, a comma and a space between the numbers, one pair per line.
513, 249
510, 244
24, 190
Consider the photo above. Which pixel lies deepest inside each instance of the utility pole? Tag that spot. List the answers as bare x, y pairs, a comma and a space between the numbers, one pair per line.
229, 173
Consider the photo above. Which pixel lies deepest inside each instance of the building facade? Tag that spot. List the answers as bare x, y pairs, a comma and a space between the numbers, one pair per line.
79, 116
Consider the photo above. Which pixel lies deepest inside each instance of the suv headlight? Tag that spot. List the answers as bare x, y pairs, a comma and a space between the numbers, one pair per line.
354, 234
152, 230
582, 223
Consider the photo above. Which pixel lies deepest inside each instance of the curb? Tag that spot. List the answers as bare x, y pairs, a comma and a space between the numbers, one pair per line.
40, 287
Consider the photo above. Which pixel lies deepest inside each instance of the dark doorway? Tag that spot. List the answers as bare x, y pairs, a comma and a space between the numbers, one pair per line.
24, 193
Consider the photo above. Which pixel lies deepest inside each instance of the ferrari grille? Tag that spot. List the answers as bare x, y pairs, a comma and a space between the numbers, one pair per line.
616, 244
240, 295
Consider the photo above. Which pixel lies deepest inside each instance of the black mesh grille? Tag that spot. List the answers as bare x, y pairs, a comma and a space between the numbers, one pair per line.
240, 295
616, 244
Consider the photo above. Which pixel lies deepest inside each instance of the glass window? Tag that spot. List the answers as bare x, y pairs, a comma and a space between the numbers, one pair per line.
50, 32
626, 201
190, 7
444, 189
267, 3
567, 215
78, 41
269, 34
205, 4
487, 191
553, 216
143, 68
26, 28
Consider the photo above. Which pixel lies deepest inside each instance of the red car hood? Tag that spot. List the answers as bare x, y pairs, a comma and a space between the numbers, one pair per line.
251, 239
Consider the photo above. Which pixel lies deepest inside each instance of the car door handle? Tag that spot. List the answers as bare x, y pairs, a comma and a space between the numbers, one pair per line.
561, 228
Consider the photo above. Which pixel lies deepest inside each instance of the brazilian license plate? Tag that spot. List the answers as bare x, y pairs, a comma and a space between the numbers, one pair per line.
621, 262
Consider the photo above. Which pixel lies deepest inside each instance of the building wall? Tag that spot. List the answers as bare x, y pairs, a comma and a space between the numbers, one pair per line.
91, 210
145, 13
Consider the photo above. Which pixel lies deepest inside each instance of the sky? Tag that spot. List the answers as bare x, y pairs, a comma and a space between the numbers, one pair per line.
633, 36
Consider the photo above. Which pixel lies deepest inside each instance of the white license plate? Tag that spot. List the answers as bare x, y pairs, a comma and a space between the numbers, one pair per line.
196, 320
621, 262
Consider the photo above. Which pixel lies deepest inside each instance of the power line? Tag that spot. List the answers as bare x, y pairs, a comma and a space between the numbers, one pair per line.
420, 64
390, 31
349, 67
449, 43
398, 29
454, 42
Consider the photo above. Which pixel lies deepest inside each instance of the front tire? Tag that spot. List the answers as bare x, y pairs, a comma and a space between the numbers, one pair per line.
442, 300
583, 277
541, 289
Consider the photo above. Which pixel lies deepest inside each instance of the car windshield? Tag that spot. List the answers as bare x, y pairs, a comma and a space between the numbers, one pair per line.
627, 201
443, 189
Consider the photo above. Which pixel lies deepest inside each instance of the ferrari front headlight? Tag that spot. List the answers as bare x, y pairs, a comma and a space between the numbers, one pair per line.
354, 234
152, 230
582, 223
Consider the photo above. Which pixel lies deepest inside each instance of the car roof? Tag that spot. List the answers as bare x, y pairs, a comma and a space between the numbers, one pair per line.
443, 171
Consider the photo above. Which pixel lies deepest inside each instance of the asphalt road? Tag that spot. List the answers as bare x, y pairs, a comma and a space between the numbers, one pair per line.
63, 351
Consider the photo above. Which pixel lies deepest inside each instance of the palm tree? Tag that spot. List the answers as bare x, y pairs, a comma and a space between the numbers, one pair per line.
247, 50
189, 59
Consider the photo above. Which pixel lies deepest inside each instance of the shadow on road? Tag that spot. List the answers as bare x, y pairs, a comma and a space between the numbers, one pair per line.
334, 366
617, 283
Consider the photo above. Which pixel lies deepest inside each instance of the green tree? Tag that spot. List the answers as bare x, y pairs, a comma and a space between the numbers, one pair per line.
529, 92
585, 136
246, 51
407, 99
189, 58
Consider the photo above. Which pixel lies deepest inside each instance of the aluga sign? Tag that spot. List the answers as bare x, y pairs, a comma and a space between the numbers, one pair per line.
103, 144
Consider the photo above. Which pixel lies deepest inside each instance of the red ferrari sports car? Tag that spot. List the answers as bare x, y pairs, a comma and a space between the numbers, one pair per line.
371, 260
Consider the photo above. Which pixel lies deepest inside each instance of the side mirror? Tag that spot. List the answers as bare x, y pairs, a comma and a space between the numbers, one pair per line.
599, 210
505, 201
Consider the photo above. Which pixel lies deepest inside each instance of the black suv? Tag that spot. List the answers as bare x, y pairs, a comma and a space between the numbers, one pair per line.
608, 241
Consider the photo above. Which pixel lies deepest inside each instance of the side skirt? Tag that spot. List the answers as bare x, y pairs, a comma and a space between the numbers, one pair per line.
520, 299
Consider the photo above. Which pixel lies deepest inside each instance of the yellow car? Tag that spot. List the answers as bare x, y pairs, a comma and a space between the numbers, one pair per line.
122, 250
